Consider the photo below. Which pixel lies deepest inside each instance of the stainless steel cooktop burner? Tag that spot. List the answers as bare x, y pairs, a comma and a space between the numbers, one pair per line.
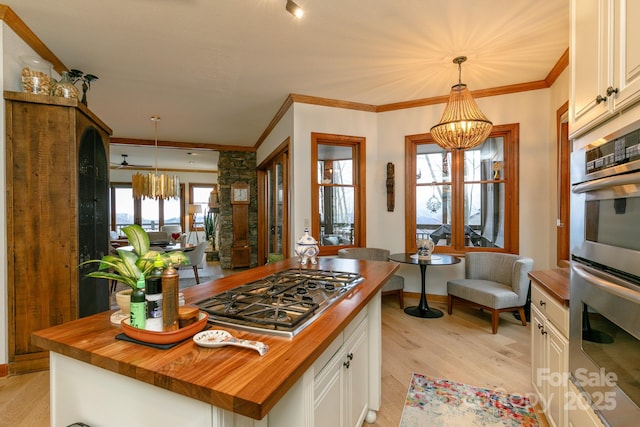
283, 303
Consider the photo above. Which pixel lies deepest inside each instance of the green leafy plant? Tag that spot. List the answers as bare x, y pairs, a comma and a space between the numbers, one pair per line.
208, 224
127, 266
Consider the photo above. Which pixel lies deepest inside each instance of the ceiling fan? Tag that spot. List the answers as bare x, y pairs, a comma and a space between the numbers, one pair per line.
124, 164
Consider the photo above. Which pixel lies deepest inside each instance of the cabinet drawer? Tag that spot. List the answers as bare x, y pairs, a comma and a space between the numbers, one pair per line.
324, 358
555, 312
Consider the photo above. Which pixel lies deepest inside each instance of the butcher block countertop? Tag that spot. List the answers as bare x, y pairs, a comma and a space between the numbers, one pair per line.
555, 282
231, 378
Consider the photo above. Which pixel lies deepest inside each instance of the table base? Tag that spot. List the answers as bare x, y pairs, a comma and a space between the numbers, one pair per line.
429, 313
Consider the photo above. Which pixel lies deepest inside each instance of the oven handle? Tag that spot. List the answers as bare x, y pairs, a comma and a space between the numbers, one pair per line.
610, 181
606, 285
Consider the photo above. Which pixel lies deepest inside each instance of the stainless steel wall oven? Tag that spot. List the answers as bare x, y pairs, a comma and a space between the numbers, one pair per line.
604, 338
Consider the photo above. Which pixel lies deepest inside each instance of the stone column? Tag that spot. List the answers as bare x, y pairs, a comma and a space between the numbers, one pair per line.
237, 167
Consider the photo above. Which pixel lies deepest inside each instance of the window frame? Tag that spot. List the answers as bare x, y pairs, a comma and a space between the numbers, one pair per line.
199, 226
358, 145
510, 134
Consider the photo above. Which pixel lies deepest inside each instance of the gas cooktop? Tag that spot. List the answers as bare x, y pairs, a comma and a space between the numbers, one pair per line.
282, 304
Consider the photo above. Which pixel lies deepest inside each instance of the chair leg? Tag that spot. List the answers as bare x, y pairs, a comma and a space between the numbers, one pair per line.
495, 318
449, 304
401, 299
195, 273
523, 318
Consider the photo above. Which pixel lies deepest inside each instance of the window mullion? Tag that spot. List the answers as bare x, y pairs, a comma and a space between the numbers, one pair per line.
457, 205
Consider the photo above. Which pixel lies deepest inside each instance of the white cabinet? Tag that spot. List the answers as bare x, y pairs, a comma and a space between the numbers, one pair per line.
605, 61
550, 355
627, 60
341, 387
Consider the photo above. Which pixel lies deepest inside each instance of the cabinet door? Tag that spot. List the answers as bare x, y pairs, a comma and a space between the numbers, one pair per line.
538, 354
557, 351
357, 367
591, 63
41, 247
627, 51
329, 397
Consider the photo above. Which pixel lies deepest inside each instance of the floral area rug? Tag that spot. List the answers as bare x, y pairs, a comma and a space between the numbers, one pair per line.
433, 402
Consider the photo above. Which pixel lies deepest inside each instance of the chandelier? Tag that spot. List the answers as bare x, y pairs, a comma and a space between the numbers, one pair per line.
152, 185
462, 125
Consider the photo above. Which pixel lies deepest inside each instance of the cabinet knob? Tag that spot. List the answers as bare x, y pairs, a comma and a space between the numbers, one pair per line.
542, 303
543, 332
346, 364
600, 99
611, 90
350, 356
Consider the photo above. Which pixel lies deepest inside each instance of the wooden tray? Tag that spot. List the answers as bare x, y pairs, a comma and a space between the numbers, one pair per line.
165, 337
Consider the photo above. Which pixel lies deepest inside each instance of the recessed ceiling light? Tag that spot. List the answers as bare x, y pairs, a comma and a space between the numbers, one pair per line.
294, 9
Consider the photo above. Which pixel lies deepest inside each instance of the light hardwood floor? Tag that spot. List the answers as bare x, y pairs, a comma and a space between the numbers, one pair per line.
459, 347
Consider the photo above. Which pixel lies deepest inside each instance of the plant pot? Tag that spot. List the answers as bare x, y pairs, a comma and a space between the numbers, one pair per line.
123, 299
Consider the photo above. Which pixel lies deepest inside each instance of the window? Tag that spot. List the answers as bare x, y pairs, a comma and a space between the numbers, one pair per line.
199, 196
150, 214
463, 200
338, 201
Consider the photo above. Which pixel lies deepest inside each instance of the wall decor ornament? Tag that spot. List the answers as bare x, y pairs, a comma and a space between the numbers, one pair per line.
391, 199
434, 204
86, 79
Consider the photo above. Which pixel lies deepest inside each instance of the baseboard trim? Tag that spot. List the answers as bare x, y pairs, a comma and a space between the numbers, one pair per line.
430, 297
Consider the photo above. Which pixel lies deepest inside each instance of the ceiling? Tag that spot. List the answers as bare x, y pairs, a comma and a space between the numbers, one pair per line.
217, 71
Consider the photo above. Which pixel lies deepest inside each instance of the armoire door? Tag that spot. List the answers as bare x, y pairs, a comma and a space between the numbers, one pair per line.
93, 221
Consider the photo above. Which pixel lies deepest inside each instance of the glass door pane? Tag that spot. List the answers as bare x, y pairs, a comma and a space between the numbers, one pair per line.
150, 209
124, 205
433, 194
484, 192
171, 212
276, 201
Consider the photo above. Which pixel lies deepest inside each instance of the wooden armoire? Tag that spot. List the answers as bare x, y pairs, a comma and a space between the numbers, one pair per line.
57, 187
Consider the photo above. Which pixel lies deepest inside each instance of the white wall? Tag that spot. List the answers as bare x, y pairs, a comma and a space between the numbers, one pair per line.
315, 118
385, 133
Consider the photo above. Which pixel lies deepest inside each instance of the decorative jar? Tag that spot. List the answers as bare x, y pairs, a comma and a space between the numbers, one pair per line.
35, 75
307, 248
65, 87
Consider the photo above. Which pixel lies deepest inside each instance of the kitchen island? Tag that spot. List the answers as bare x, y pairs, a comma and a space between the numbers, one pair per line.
327, 373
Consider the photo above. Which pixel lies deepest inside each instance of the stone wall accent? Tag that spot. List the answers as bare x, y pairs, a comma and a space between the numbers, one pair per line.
237, 167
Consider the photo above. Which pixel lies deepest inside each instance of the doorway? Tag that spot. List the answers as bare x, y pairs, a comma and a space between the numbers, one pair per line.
564, 153
273, 195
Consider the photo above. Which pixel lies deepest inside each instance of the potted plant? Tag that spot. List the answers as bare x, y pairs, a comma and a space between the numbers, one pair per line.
127, 265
